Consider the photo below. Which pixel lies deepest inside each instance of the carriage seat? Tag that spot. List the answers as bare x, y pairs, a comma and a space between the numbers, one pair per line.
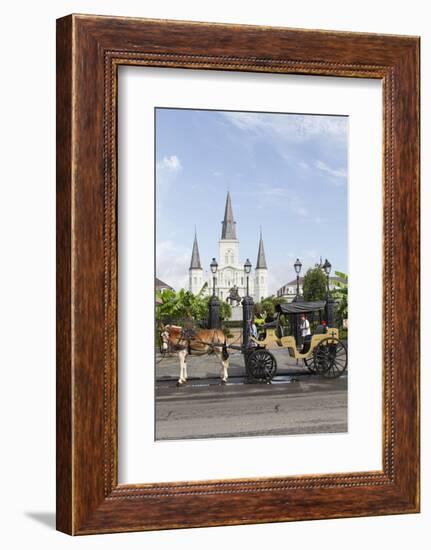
269, 338
278, 329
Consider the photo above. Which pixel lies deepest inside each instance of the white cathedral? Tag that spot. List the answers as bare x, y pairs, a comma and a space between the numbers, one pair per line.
230, 270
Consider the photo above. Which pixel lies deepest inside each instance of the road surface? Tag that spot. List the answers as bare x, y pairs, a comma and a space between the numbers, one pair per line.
295, 403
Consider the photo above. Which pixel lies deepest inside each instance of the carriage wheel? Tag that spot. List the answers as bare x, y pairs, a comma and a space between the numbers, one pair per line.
261, 365
330, 358
309, 363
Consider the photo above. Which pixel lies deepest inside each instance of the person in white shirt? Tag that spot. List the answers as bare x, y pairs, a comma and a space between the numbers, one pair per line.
304, 332
304, 327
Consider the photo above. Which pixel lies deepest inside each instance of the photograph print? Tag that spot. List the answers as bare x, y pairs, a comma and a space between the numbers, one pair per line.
251, 264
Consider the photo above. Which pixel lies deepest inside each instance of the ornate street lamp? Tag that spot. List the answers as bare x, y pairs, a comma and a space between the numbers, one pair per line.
214, 266
330, 303
327, 269
297, 331
298, 266
247, 270
214, 303
247, 309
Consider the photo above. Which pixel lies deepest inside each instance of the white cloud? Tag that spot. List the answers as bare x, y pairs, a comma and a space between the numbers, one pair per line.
296, 128
171, 164
172, 264
335, 173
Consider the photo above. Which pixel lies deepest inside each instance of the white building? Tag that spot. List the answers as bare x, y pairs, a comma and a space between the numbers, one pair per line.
230, 270
288, 290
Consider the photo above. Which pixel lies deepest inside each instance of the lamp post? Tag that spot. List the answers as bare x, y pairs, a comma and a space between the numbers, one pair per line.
298, 266
214, 267
330, 303
247, 308
297, 330
327, 269
214, 303
247, 270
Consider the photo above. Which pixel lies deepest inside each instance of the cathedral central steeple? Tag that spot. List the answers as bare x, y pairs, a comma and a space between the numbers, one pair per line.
230, 271
228, 224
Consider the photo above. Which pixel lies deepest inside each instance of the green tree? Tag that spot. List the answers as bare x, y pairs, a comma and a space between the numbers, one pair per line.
257, 309
314, 286
225, 310
341, 295
267, 306
184, 305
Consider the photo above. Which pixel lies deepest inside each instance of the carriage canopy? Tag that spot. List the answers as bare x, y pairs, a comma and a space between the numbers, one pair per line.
300, 307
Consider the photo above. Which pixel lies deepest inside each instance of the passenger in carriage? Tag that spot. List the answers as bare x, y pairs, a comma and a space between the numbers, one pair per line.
260, 326
257, 325
254, 330
269, 318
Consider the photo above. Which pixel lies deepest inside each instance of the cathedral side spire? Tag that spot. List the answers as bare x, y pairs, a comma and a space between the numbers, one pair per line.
261, 260
228, 224
195, 262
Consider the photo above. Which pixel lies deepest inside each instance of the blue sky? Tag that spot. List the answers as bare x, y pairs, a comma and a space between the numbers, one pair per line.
286, 173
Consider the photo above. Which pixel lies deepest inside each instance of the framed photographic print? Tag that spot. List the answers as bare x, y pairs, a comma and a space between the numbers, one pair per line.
237, 274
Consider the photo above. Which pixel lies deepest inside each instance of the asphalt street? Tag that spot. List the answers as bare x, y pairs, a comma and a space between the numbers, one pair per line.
296, 402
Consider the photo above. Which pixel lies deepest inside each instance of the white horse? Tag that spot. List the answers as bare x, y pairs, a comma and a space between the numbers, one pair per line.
198, 342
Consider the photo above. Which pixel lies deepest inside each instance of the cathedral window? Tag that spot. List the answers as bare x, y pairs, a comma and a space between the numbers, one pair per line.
229, 257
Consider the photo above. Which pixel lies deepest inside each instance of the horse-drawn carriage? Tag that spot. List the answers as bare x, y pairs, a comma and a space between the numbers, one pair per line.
322, 353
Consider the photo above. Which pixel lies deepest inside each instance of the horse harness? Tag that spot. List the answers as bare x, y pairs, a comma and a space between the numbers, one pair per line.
188, 334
